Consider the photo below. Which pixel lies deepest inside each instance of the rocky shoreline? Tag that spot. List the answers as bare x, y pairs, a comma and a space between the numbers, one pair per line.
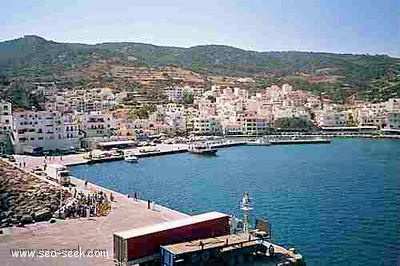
25, 198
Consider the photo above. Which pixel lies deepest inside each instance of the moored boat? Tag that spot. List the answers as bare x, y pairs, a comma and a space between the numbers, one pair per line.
131, 158
300, 141
202, 148
259, 142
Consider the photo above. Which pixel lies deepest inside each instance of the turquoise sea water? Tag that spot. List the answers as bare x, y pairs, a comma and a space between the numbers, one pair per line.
338, 204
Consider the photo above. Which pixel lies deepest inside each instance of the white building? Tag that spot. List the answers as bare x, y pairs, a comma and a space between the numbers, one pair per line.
393, 120
175, 120
331, 119
34, 131
86, 106
206, 126
97, 124
229, 128
174, 93
253, 125
5, 117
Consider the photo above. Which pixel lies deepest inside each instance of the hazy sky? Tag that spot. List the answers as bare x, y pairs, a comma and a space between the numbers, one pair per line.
358, 26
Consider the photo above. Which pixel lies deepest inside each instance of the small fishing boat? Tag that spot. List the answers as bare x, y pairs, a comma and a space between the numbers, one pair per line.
202, 148
131, 158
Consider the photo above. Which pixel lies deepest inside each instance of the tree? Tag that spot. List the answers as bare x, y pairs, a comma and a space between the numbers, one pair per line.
142, 112
187, 97
292, 123
133, 86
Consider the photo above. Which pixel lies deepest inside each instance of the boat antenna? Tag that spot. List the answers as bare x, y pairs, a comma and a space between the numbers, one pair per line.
246, 206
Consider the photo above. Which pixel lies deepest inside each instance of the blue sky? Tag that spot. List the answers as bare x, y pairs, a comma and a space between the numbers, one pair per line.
345, 26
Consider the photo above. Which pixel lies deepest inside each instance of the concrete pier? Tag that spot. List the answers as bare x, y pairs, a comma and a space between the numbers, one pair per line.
86, 233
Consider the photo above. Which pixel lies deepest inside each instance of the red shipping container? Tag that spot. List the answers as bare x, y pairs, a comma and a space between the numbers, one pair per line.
146, 241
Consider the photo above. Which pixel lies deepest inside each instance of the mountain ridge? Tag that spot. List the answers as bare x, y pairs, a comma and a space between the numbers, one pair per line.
199, 45
374, 77
37, 52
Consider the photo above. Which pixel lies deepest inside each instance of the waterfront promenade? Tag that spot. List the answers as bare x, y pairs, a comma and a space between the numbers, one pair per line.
88, 233
31, 162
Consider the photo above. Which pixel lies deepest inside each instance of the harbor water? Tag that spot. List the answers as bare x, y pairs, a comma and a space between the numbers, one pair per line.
338, 203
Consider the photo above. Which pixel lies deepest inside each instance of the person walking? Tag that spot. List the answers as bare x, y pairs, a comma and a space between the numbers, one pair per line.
148, 204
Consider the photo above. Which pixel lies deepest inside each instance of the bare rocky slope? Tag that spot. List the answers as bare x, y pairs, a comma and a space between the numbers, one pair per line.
25, 198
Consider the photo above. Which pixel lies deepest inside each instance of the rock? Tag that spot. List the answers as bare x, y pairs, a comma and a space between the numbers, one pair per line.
38, 208
43, 215
26, 219
54, 207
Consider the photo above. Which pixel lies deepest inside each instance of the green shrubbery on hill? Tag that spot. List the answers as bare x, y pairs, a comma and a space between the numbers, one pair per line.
374, 77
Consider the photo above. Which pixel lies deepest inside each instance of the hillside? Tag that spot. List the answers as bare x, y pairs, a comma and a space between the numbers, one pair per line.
33, 50
35, 56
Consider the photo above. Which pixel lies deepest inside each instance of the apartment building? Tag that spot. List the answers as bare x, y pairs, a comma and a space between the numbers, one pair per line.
331, 119
97, 124
5, 117
393, 120
368, 117
206, 125
207, 108
254, 125
36, 131
231, 128
174, 93
86, 106
174, 107
175, 120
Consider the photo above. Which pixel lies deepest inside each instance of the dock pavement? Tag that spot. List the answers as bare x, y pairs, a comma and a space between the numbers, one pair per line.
87, 233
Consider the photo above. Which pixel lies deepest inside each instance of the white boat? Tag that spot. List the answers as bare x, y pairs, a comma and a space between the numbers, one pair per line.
131, 158
259, 142
202, 148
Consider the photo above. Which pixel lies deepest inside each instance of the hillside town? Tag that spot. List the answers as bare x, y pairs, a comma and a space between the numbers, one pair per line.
71, 119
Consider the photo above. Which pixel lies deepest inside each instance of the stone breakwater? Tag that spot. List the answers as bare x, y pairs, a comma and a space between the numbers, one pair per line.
25, 198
